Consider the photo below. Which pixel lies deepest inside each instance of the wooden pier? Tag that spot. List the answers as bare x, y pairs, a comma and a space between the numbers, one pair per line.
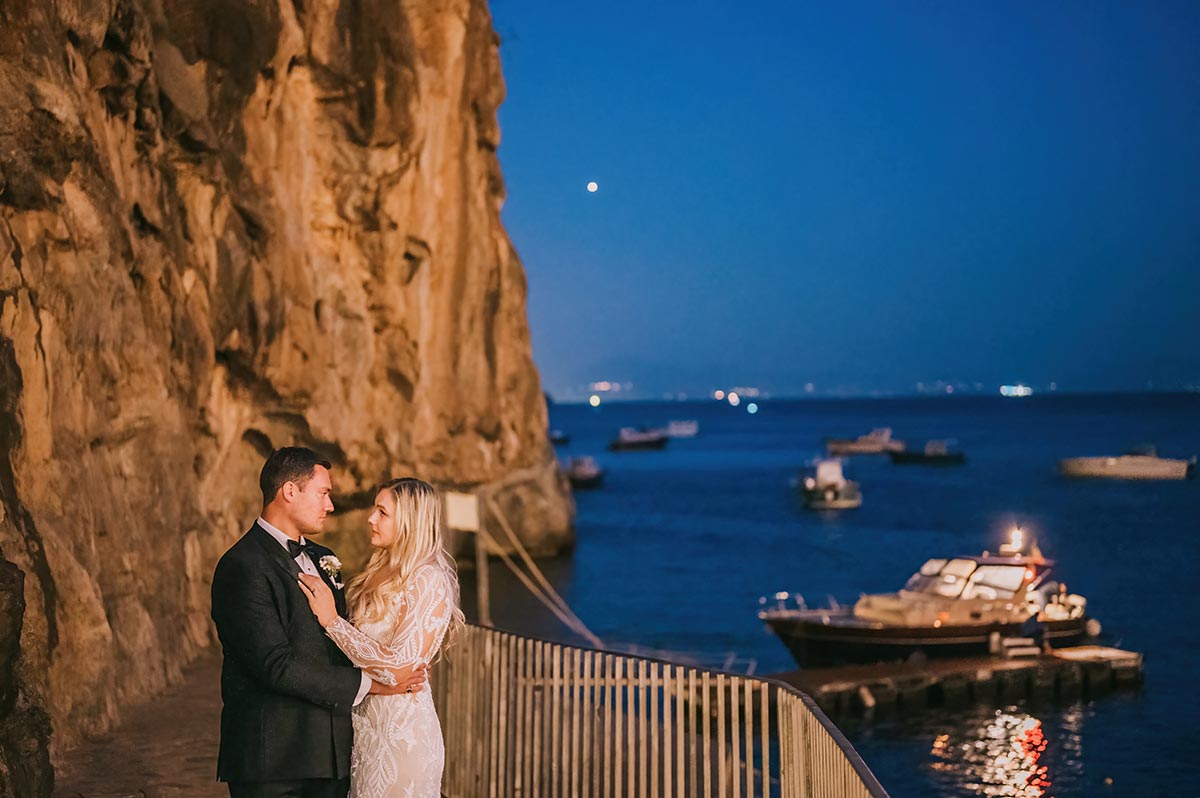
1064, 675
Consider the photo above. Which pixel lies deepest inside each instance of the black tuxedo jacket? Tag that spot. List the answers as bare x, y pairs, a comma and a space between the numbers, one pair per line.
287, 689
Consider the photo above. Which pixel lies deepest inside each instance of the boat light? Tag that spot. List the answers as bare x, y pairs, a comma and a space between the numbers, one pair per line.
782, 595
1016, 542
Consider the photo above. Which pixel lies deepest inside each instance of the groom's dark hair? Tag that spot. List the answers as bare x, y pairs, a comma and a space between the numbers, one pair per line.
289, 464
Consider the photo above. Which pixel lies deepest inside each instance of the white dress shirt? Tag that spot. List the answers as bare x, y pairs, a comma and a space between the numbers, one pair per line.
306, 566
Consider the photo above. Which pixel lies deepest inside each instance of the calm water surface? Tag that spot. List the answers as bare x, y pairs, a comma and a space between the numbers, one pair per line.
676, 549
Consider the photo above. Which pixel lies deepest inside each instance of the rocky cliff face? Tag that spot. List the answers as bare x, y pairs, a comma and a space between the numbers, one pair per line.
228, 226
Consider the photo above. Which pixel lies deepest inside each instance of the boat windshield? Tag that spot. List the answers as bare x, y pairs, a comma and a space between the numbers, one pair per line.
932, 567
941, 577
994, 581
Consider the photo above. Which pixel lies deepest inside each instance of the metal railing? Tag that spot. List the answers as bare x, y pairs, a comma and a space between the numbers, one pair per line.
530, 718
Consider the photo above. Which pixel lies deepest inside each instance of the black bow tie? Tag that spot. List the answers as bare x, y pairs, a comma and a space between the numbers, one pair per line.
296, 549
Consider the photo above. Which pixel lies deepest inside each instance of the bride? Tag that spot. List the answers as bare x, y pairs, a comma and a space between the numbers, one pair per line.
404, 604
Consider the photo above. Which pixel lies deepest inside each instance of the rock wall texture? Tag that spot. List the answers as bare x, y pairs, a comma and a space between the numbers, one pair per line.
227, 226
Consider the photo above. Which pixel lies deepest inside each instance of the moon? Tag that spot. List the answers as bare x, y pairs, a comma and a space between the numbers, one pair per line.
592, 187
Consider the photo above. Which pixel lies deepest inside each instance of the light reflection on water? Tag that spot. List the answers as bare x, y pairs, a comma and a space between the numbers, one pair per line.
1010, 753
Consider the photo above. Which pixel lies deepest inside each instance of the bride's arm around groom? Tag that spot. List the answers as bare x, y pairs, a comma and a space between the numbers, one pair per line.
420, 615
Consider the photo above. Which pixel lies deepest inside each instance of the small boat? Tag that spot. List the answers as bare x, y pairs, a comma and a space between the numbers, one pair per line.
934, 453
683, 429
1140, 463
877, 441
584, 473
952, 607
559, 438
827, 489
633, 438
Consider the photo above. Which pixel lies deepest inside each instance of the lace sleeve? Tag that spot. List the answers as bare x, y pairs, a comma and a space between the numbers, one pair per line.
364, 651
418, 633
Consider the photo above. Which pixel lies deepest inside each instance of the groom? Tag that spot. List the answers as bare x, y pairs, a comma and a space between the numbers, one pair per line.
287, 689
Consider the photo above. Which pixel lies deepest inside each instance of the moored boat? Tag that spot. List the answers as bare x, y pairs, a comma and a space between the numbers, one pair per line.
828, 489
877, 441
1141, 463
584, 473
934, 453
633, 438
951, 607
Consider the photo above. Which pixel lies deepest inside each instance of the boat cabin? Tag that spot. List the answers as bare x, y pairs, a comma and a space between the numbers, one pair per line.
978, 577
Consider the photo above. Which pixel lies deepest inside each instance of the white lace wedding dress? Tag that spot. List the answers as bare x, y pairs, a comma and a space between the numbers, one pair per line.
398, 750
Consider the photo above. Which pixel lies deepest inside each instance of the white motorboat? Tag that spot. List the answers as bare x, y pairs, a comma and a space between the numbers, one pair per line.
828, 489
1143, 463
634, 438
951, 607
584, 473
877, 441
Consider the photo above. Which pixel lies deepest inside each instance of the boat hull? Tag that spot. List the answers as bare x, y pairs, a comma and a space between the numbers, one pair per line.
830, 498
842, 640
588, 482
821, 503
842, 448
633, 446
921, 458
1127, 467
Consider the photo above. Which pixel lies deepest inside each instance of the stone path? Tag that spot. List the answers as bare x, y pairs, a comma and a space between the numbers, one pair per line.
165, 748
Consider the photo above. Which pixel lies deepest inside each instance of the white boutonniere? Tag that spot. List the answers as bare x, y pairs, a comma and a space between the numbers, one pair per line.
332, 566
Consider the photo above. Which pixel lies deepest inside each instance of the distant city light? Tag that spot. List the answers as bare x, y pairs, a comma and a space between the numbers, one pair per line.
809, 387
734, 399
718, 395
949, 389
1016, 390
592, 187
594, 401
752, 408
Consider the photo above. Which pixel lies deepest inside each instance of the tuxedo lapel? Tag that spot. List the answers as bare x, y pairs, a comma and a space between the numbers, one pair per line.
278, 554
279, 557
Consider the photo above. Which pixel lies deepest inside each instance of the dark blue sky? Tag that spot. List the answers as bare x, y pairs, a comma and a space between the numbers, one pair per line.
855, 194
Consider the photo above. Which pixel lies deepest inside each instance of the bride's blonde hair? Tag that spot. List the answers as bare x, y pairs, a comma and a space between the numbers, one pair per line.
419, 541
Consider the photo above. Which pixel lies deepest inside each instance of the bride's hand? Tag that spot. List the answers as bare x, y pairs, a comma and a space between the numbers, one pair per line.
320, 598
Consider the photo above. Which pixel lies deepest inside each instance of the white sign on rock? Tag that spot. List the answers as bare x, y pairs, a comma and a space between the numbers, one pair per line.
462, 511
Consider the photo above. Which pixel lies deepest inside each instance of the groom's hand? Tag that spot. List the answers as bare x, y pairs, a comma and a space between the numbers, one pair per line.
409, 679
